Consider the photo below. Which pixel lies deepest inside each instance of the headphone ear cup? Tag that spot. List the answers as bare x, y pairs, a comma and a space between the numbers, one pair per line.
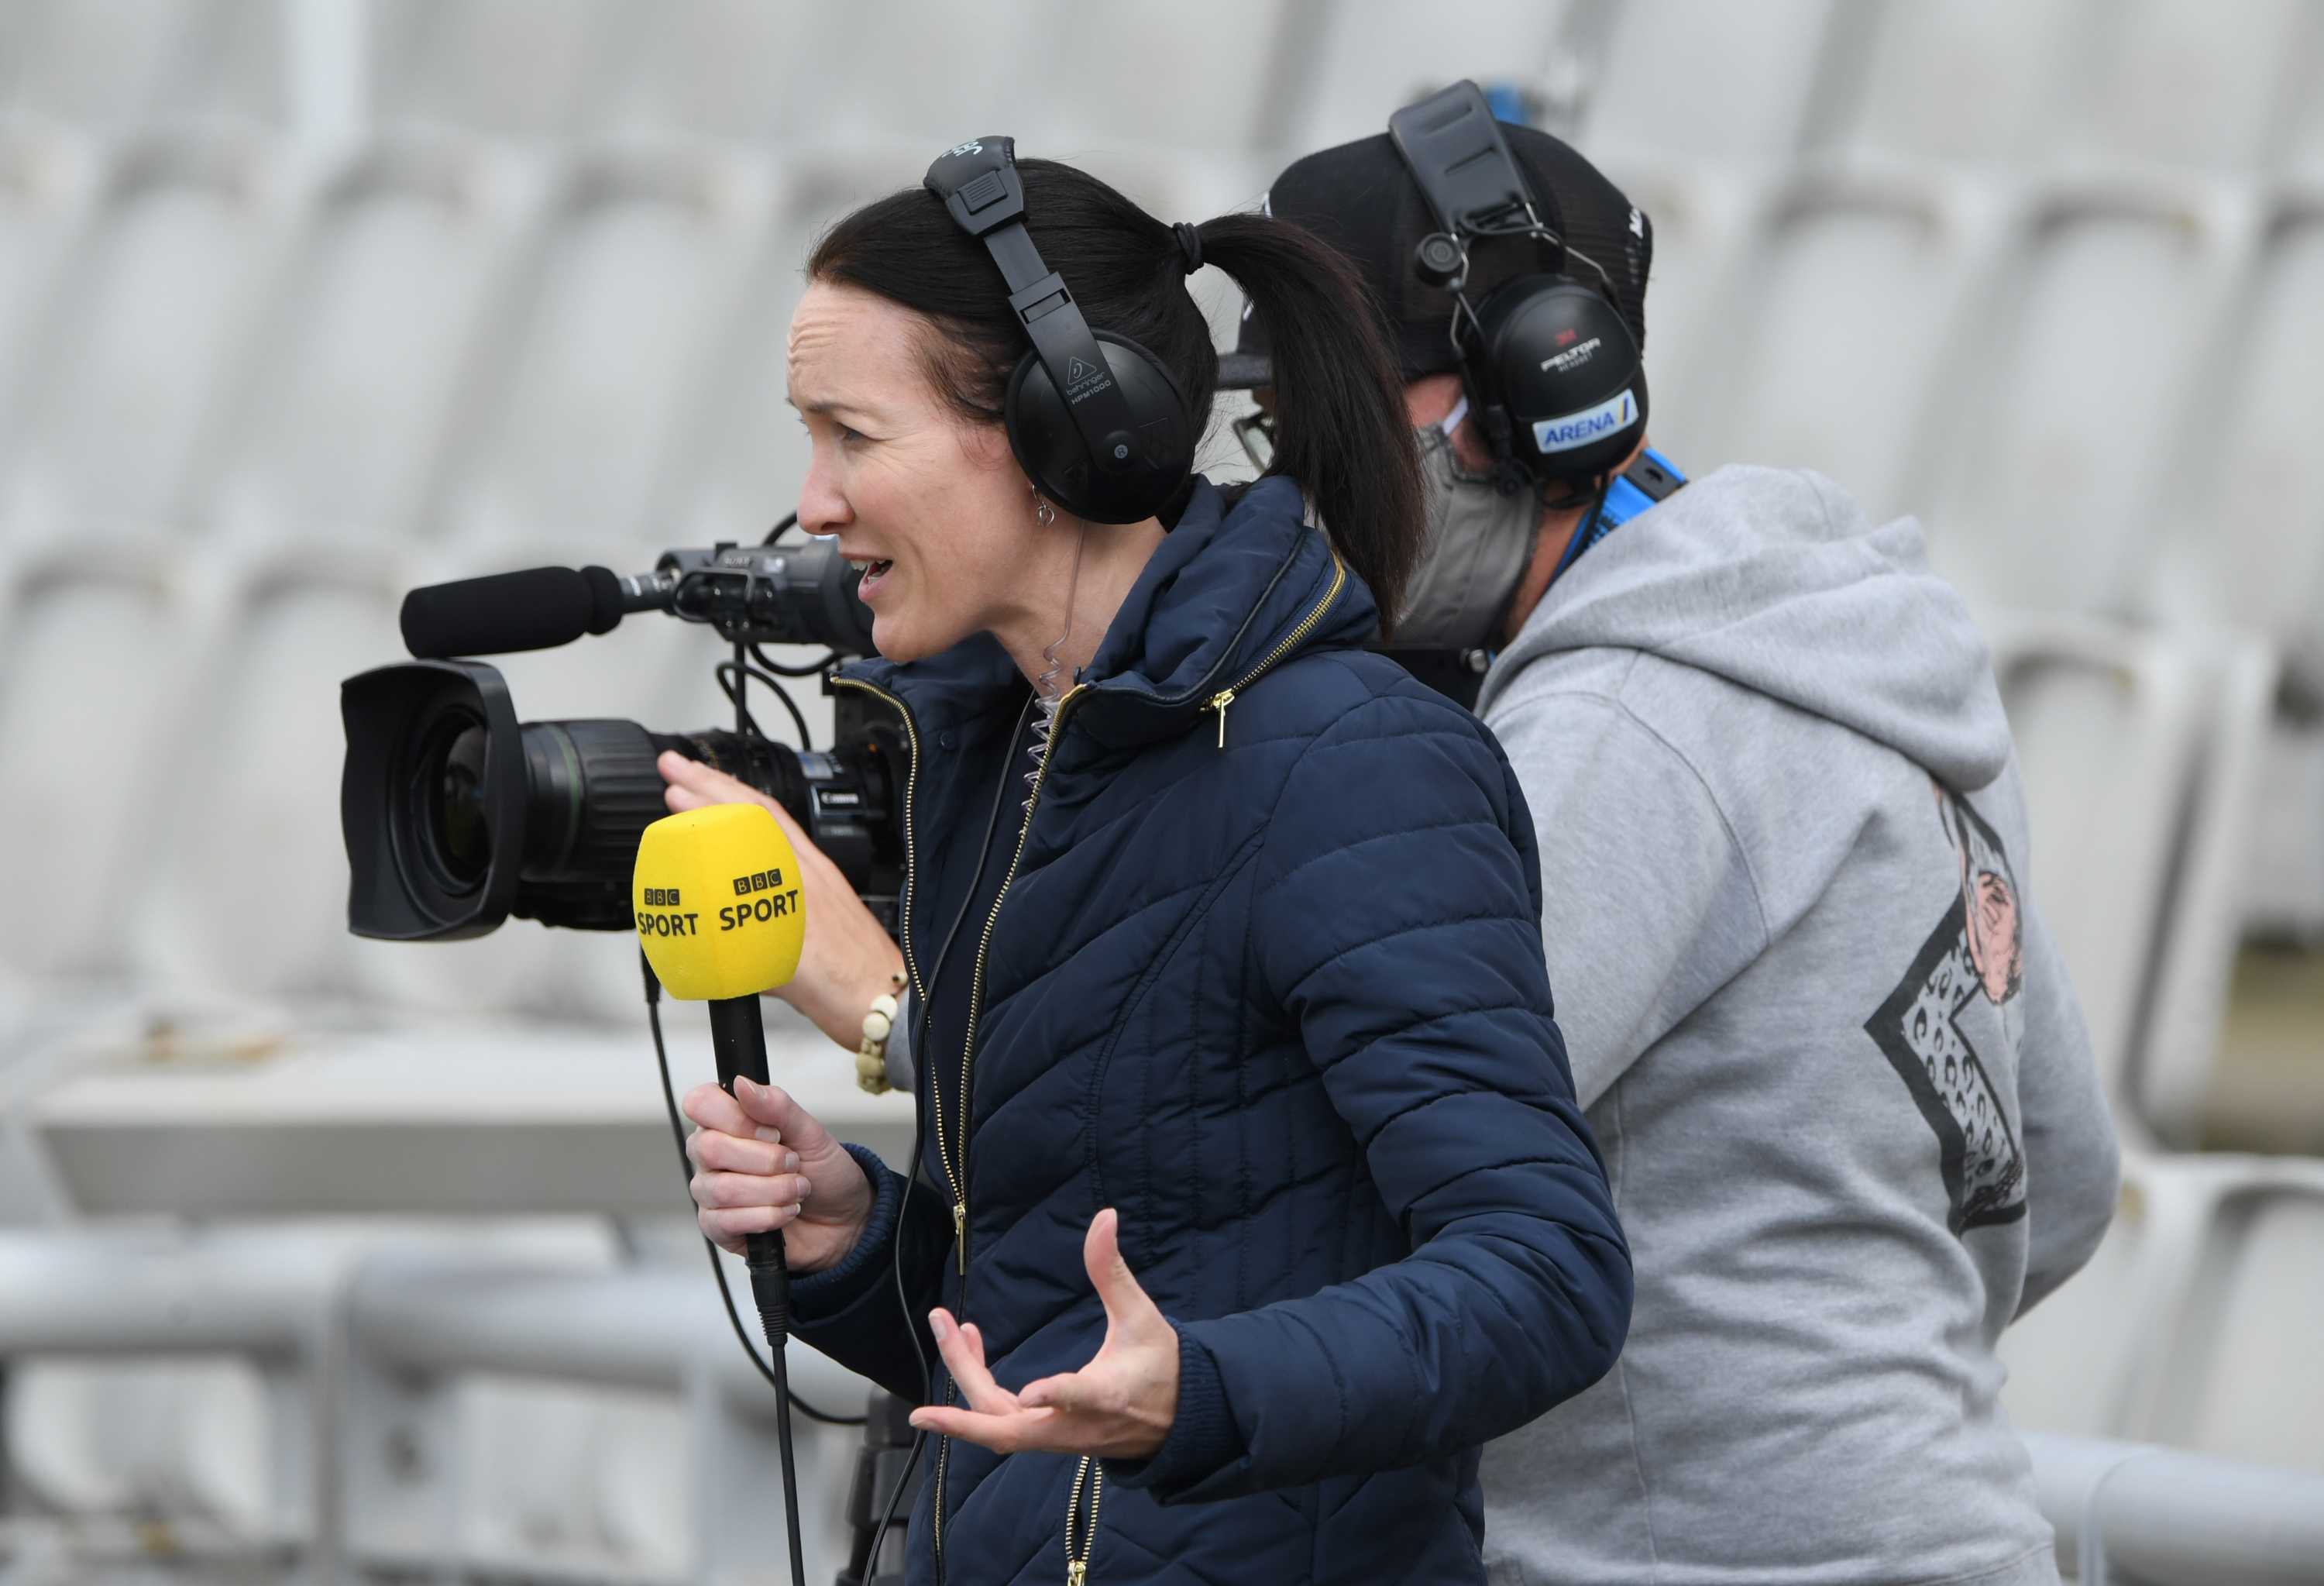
1568, 370
1157, 450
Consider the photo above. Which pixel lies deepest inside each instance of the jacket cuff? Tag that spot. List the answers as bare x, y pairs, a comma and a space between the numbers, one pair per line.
818, 1297
1202, 1436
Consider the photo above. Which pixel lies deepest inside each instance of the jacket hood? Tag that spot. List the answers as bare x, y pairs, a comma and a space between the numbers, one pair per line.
1234, 587
1775, 581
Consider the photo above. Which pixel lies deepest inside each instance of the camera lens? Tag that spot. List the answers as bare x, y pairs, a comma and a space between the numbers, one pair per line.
456, 808
445, 798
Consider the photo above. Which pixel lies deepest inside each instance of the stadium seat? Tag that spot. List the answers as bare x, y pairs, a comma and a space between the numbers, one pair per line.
585, 426
1374, 55
44, 186
1706, 80
2241, 1375
529, 69
124, 374
2062, 431
1843, 317
1702, 216
246, 898
2088, 1360
91, 643
2243, 540
2108, 722
2200, 913
335, 434
2163, 82
1965, 80
113, 64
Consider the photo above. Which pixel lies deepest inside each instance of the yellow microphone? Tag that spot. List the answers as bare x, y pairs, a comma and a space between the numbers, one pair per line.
721, 916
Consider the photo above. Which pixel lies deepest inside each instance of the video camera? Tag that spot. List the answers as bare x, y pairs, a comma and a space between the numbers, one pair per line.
457, 815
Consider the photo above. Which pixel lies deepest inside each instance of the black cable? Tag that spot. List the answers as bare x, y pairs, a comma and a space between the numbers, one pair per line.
733, 676
814, 669
717, 1267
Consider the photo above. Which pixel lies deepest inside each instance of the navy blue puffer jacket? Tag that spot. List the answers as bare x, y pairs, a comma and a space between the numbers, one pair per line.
1283, 1004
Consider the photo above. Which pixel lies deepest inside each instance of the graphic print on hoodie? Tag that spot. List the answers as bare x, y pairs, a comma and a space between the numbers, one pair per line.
1977, 951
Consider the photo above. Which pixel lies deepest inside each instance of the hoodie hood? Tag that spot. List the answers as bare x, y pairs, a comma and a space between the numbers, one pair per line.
1773, 580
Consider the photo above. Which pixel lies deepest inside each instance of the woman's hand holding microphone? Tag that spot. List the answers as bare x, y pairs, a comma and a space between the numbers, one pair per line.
847, 959
760, 1160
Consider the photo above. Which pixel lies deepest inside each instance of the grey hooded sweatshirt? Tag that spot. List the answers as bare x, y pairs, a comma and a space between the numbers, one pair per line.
1841, 1080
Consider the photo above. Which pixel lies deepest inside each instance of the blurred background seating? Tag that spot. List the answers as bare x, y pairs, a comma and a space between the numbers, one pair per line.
305, 301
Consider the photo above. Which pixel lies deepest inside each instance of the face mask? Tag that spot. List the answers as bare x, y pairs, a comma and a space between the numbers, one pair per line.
1480, 538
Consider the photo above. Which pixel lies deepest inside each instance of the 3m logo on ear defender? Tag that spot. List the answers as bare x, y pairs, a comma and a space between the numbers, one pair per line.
1561, 435
959, 149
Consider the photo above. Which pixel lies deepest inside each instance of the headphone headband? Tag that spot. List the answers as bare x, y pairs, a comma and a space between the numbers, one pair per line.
1553, 368
980, 187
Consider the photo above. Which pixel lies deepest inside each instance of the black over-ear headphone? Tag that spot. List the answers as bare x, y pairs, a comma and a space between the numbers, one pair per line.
1096, 421
1552, 371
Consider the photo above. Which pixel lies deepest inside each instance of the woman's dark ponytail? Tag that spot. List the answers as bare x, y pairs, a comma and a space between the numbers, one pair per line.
1340, 429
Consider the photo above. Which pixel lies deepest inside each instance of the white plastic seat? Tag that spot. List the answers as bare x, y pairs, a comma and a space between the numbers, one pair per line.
115, 63
44, 186
2108, 722
247, 897
2065, 427
87, 654
1701, 216
1703, 79
122, 379
522, 68
587, 426
339, 428
1845, 317
2241, 1376
2242, 541
2178, 83
1963, 79
2088, 1359
1374, 57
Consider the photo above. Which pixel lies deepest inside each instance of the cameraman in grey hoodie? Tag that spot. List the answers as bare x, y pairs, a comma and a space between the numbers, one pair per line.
1841, 1083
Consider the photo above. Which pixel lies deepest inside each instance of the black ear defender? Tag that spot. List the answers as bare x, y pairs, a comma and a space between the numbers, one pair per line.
1094, 420
1553, 373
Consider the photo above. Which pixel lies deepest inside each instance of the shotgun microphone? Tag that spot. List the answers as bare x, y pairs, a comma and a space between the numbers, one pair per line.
718, 906
538, 608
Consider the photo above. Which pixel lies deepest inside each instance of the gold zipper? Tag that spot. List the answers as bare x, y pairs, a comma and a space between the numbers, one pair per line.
953, 1178
943, 1458
1089, 1470
1226, 696
967, 1059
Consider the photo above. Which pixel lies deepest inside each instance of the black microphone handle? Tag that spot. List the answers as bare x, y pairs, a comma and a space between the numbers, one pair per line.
738, 1036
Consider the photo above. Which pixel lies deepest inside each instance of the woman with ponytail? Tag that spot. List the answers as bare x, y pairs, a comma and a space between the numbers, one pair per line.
1251, 1195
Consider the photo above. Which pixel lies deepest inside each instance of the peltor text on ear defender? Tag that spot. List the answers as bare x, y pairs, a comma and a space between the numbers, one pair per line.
1096, 420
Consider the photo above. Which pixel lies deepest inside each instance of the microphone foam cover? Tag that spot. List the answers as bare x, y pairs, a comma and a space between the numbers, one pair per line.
538, 608
720, 912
